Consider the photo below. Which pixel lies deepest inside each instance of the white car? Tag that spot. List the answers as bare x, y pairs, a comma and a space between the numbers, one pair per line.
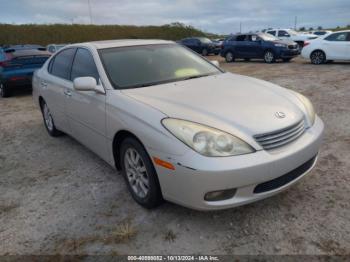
53, 48
290, 34
177, 126
335, 46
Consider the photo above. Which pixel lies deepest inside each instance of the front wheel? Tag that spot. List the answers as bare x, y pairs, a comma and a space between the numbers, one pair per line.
229, 57
318, 57
48, 120
139, 174
269, 57
4, 91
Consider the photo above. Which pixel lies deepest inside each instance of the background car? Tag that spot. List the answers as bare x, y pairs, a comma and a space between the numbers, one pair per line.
258, 45
17, 72
290, 34
201, 45
53, 48
335, 46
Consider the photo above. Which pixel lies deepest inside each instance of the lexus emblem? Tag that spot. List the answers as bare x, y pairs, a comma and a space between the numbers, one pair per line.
280, 114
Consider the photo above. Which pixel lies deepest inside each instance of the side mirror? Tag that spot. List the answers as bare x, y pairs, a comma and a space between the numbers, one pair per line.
215, 63
87, 84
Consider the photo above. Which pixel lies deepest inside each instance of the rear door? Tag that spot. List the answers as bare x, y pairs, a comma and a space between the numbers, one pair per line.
253, 46
54, 86
86, 110
240, 46
337, 46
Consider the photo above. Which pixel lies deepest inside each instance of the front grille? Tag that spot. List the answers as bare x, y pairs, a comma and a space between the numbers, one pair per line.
285, 179
293, 46
281, 137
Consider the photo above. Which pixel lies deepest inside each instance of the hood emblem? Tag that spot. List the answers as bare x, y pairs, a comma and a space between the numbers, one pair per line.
280, 114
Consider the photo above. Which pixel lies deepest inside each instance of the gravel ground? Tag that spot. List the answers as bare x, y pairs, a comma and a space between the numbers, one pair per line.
57, 197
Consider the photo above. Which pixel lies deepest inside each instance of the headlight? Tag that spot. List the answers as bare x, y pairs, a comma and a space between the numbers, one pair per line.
206, 140
308, 106
281, 45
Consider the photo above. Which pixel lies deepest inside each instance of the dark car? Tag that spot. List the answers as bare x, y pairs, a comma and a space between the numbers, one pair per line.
17, 72
12, 48
259, 45
201, 45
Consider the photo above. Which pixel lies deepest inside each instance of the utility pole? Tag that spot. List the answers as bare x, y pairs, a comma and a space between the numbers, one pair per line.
295, 23
90, 12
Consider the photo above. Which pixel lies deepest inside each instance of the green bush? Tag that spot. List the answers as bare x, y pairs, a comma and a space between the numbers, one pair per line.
64, 33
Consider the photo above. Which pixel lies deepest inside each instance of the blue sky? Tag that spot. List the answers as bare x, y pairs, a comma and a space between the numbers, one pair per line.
217, 16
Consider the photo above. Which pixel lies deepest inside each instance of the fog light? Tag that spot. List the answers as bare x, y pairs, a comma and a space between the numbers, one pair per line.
220, 195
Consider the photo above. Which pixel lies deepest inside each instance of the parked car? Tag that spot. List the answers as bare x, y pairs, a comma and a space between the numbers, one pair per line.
335, 46
259, 45
17, 72
289, 34
177, 126
321, 32
201, 45
53, 48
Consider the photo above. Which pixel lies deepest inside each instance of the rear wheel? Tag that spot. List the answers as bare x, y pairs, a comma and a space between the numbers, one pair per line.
229, 57
269, 57
139, 174
318, 57
48, 120
4, 91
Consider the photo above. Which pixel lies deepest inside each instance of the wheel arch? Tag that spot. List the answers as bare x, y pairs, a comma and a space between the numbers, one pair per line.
318, 49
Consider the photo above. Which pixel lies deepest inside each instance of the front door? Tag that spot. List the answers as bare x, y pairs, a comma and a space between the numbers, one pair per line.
86, 110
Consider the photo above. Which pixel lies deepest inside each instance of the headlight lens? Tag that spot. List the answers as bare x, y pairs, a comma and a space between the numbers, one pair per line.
206, 140
308, 106
281, 45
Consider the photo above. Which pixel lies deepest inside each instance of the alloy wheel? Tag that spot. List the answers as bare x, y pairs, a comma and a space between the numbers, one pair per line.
48, 118
229, 57
269, 57
136, 173
317, 57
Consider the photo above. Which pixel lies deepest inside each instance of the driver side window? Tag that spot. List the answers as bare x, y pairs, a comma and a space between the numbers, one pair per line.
84, 65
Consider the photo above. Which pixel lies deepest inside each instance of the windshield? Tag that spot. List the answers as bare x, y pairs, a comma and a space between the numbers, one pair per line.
268, 37
139, 66
292, 32
205, 40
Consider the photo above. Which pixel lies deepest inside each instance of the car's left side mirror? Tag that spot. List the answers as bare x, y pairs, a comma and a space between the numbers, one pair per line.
87, 83
215, 63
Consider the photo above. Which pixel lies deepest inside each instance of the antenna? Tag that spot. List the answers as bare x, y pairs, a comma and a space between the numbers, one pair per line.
90, 12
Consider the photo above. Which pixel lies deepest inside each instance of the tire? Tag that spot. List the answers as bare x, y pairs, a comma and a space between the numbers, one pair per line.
286, 60
139, 173
48, 120
318, 57
229, 57
269, 57
4, 91
205, 52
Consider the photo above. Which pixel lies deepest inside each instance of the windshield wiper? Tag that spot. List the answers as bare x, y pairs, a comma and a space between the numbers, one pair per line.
197, 76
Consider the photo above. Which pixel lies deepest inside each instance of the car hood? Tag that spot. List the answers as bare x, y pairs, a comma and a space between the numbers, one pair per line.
229, 102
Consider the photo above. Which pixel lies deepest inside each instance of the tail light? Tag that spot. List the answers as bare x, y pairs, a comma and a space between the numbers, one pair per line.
16, 78
306, 43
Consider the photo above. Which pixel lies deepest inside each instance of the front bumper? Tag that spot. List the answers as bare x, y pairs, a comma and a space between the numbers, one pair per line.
289, 53
196, 175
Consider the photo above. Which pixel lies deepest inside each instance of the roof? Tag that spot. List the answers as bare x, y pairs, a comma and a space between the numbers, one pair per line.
124, 42
33, 52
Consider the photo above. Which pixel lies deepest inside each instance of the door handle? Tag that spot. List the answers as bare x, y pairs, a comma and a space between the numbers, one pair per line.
43, 84
67, 92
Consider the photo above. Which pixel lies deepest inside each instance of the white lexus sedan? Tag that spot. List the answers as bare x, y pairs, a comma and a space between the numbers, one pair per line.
335, 46
177, 126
